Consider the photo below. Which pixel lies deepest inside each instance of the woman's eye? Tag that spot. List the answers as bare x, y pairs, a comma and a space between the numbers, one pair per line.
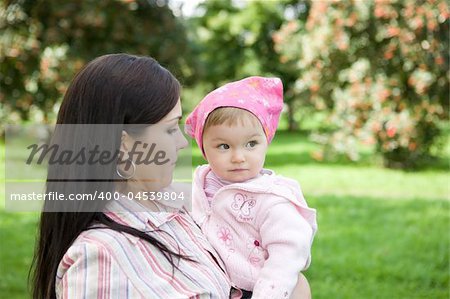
173, 130
252, 143
223, 146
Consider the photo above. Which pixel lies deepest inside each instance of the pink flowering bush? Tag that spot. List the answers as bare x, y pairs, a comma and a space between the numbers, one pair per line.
381, 71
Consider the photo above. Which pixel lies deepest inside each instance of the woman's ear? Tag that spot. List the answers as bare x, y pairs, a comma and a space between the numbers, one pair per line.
125, 145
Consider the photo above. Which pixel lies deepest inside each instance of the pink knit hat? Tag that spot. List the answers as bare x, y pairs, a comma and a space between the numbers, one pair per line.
261, 96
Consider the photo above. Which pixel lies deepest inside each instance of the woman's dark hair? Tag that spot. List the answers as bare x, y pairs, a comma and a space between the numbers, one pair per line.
116, 89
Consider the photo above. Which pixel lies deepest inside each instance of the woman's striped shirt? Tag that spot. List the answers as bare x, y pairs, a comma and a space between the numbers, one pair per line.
103, 263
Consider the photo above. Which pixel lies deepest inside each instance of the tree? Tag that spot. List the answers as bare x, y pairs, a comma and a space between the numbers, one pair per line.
380, 69
238, 41
45, 42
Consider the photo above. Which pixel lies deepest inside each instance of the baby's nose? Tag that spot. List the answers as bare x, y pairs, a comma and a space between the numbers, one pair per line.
237, 157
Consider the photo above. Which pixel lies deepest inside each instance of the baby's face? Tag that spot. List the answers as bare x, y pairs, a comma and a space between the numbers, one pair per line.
235, 152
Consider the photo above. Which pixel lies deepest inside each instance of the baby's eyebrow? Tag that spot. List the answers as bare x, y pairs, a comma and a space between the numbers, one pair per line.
254, 135
218, 139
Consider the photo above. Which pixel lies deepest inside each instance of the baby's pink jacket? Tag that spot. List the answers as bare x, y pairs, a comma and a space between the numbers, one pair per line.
262, 229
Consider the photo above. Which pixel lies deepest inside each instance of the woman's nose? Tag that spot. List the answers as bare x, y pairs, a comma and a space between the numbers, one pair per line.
182, 142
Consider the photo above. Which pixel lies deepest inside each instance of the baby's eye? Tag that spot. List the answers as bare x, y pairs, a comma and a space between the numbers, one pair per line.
252, 143
223, 146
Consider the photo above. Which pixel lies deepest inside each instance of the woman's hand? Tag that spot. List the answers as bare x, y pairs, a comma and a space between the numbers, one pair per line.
302, 289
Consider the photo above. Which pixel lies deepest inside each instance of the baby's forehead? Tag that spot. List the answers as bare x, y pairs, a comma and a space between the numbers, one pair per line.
234, 116
233, 123
238, 130
245, 119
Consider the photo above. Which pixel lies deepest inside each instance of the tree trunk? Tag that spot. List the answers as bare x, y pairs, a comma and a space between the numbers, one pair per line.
292, 125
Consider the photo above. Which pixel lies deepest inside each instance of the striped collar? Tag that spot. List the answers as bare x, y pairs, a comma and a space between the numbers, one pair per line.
132, 213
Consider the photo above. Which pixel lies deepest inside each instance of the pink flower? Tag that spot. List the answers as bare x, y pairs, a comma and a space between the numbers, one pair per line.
391, 132
393, 31
225, 236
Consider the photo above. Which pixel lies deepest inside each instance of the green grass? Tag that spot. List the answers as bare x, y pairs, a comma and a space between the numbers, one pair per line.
17, 235
370, 248
382, 233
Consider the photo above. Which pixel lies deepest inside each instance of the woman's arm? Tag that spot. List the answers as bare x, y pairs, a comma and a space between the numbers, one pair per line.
302, 289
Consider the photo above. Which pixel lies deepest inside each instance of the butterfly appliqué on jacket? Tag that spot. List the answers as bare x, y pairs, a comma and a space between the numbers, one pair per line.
243, 205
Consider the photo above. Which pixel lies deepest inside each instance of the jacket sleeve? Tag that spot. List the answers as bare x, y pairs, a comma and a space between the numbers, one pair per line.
287, 237
89, 271
199, 206
198, 210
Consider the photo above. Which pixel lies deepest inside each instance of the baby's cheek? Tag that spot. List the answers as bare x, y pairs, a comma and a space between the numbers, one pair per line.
262, 160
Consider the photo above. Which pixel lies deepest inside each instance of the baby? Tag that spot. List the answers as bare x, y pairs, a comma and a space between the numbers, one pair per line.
257, 221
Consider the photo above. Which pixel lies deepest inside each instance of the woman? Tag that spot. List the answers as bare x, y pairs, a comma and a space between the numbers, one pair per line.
123, 247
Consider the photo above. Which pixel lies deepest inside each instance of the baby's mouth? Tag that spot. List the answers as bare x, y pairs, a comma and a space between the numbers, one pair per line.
238, 170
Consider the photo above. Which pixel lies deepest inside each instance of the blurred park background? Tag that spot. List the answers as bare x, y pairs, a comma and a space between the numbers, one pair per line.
365, 127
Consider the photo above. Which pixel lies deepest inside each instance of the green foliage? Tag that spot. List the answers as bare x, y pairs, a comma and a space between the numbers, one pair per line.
380, 68
237, 41
45, 42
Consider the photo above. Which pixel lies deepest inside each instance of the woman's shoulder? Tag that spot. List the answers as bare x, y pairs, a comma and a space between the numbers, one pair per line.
94, 255
98, 243
93, 247
99, 240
